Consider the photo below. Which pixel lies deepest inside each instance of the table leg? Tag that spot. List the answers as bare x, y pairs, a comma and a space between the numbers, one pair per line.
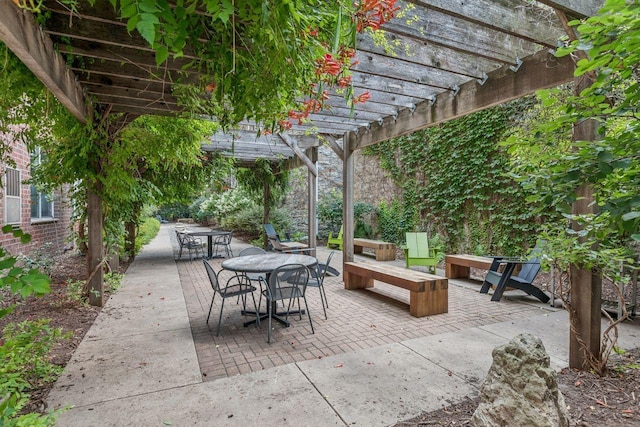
277, 316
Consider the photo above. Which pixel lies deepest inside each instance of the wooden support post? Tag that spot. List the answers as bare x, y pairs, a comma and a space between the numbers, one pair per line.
95, 251
312, 189
586, 300
586, 285
347, 196
267, 209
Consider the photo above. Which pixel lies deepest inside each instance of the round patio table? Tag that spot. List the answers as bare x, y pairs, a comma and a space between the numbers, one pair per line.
209, 234
266, 263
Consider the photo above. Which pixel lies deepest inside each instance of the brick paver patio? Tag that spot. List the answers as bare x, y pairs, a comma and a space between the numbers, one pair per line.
356, 320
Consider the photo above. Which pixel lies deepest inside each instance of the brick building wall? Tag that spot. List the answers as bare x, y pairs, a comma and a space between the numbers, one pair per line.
51, 235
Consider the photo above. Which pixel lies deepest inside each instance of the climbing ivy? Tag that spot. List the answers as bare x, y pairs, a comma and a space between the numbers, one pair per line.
455, 178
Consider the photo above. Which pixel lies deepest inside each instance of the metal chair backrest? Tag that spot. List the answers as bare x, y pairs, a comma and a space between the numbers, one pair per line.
321, 268
213, 277
288, 277
252, 251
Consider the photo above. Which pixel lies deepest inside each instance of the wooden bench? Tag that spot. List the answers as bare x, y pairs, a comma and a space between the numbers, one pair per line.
384, 251
429, 294
459, 265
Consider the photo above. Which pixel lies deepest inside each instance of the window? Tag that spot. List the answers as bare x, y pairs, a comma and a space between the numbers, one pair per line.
12, 196
41, 203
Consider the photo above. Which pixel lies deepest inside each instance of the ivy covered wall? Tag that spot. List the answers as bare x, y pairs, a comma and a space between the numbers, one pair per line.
454, 179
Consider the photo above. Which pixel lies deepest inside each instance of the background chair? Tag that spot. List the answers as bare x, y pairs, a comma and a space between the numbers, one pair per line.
286, 283
417, 253
189, 242
223, 241
523, 281
335, 241
271, 232
316, 280
233, 288
254, 277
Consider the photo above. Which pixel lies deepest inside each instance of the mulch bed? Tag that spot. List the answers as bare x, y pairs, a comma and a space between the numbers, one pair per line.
611, 400
65, 313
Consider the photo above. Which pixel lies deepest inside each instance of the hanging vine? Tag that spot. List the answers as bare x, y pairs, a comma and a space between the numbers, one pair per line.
456, 176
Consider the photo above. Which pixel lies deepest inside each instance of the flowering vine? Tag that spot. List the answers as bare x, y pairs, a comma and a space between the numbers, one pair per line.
333, 69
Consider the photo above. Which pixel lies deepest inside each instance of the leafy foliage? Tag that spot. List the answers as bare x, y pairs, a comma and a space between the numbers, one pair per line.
330, 212
297, 49
394, 221
606, 164
24, 364
454, 183
21, 280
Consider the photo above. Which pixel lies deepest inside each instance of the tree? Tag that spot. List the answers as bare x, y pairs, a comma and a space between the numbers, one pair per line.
600, 174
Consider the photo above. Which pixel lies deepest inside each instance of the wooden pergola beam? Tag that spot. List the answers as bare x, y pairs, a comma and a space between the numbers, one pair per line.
502, 85
20, 33
293, 144
333, 143
576, 8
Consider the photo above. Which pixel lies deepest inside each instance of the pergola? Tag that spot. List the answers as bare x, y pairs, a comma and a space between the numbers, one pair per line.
443, 59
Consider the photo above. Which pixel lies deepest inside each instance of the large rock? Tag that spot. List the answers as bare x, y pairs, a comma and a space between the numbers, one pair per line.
521, 389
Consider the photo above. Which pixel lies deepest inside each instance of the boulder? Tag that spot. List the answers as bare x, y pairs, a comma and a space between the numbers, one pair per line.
521, 388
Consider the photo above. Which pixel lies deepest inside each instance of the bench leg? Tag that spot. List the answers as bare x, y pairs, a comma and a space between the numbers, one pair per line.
357, 249
353, 281
454, 271
434, 300
385, 254
418, 304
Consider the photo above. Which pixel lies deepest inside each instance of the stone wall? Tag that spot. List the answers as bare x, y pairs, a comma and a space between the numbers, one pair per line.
372, 185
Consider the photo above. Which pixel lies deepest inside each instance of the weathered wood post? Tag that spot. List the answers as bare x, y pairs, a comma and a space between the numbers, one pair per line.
586, 285
347, 196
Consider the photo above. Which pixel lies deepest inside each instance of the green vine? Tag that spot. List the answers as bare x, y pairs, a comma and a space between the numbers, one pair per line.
454, 177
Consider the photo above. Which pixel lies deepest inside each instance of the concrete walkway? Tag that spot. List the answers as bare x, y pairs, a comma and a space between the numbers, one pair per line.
138, 364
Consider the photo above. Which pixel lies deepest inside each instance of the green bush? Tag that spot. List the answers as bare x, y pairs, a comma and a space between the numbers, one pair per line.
394, 221
250, 221
146, 232
25, 365
330, 214
174, 211
224, 204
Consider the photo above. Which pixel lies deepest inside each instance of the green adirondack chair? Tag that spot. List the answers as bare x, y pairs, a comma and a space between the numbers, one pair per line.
417, 252
335, 240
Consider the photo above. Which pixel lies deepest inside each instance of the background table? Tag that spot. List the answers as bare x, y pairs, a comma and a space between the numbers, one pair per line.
209, 234
266, 263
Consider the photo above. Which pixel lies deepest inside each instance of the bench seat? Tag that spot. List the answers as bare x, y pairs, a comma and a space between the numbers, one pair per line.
458, 266
384, 251
429, 294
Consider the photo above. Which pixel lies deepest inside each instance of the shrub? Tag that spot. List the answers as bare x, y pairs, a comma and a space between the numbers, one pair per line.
250, 220
146, 232
222, 205
24, 366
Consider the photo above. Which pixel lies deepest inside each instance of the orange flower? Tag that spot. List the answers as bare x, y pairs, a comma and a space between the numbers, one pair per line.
344, 81
362, 98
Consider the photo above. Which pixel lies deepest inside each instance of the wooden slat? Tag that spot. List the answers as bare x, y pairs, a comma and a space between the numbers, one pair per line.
503, 85
20, 33
404, 70
446, 30
576, 8
428, 54
514, 17
400, 91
